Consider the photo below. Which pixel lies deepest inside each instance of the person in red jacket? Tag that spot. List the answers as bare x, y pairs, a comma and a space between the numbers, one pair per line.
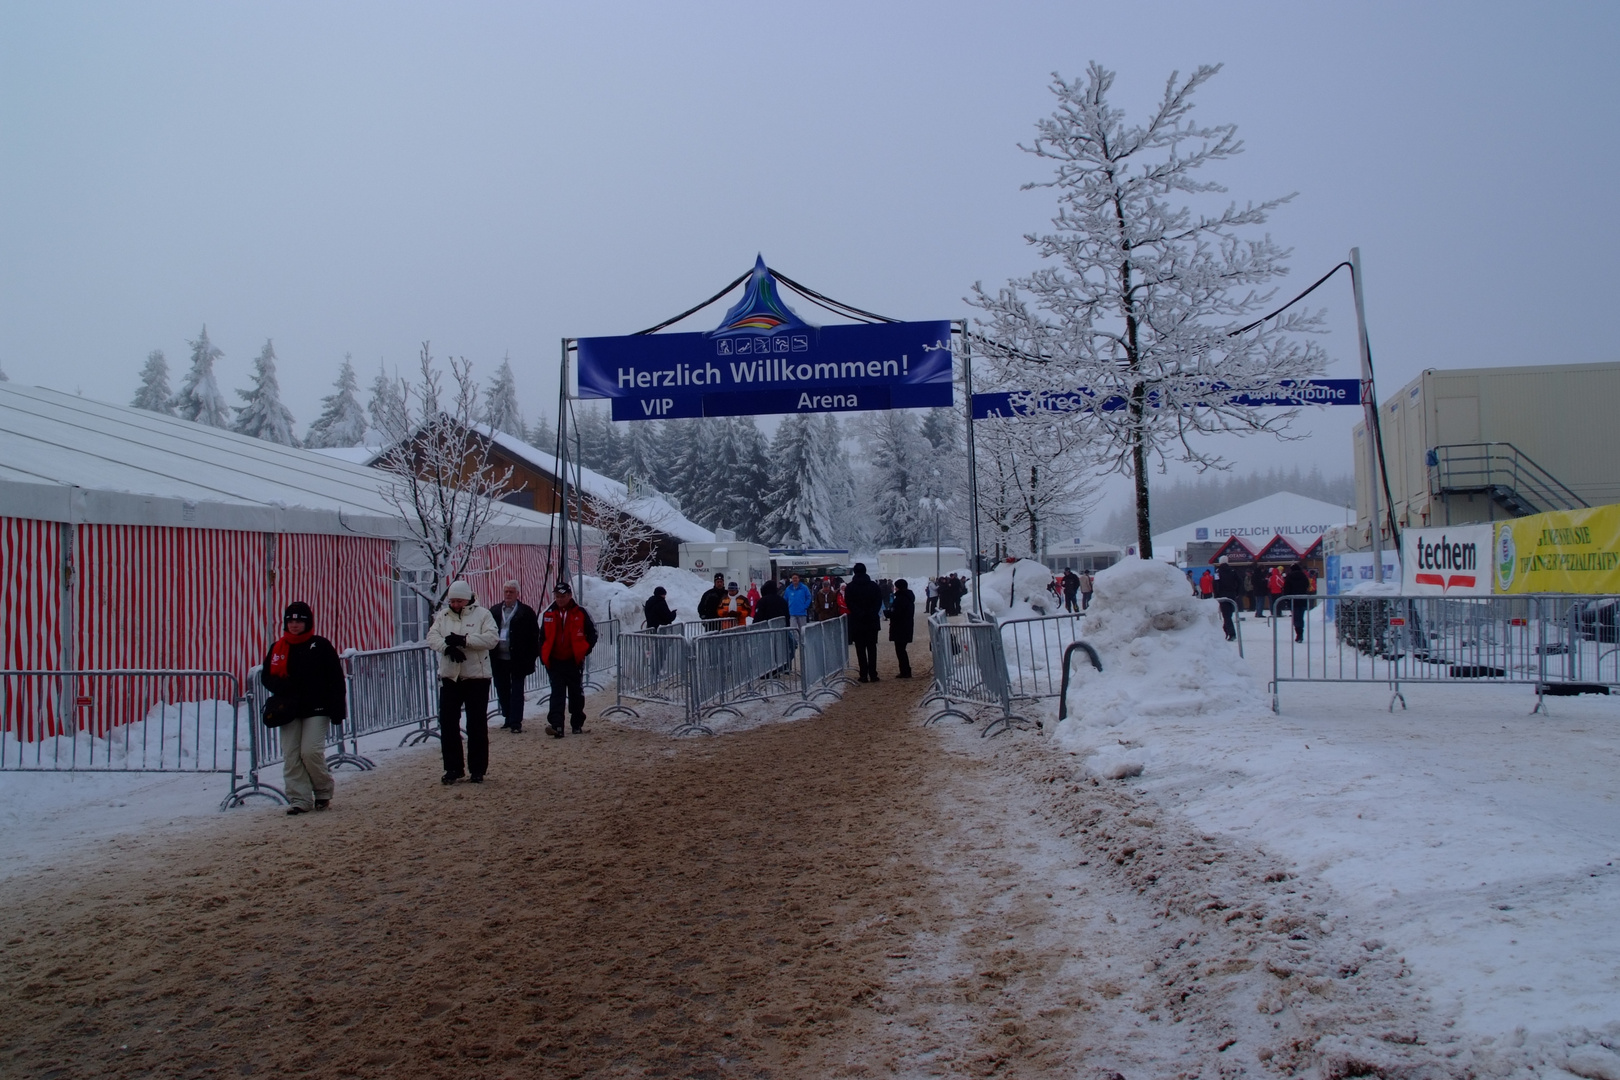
567, 636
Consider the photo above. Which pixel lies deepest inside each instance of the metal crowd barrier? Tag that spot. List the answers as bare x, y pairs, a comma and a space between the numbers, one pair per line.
392, 688
1237, 618
970, 668
740, 665
655, 667
1557, 645
1034, 649
823, 658
604, 658
125, 720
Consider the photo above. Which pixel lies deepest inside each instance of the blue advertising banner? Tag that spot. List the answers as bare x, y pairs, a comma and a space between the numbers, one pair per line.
1289, 394
764, 359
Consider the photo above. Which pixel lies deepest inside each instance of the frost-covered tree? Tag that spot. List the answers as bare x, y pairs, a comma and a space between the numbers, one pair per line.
154, 394
543, 435
1138, 303
441, 481
386, 408
199, 398
895, 464
641, 456
1034, 480
845, 524
342, 421
686, 448
798, 504
500, 402
264, 416
592, 438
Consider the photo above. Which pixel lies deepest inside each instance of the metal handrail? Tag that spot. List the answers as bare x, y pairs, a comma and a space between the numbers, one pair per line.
1063, 695
1500, 465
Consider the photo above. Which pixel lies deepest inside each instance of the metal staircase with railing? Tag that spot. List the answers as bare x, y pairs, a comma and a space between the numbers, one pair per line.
1502, 472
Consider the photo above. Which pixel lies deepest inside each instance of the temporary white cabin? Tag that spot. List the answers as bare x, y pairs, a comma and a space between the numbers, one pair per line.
739, 560
915, 563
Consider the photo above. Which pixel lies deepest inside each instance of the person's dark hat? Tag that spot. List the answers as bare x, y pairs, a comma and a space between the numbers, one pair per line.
564, 587
901, 584
860, 568
768, 589
660, 591
719, 577
731, 585
298, 610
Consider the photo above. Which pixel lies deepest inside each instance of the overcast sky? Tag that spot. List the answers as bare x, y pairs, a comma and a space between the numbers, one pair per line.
357, 178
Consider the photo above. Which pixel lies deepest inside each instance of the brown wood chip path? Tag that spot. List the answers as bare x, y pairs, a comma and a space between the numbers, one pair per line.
617, 904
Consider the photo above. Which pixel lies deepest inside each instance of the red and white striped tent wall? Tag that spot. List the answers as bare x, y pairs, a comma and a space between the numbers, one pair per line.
132, 540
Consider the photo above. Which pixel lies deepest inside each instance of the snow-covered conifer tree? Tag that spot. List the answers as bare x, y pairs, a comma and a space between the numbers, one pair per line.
7, 378
1139, 298
199, 398
797, 504
264, 416
543, 435
591, 435
500, 402
641, 455
387, 410
685, 453
745, 478
342, 421
895, 459
154, 394
844, 524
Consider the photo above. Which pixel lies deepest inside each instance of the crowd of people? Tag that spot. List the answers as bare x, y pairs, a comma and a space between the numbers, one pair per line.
1256, 589
1072, 590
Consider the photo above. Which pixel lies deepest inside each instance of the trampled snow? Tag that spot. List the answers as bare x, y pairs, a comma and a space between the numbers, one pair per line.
1477, 839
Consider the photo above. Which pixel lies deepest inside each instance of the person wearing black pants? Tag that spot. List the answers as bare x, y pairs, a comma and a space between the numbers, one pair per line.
567, 636
902, 614
463, 633
512, 661
863, 601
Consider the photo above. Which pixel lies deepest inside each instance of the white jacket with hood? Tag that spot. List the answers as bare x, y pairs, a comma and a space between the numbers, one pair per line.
477, 625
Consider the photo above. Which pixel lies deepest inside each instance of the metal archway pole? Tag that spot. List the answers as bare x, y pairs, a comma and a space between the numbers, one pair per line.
973, 467
562, 465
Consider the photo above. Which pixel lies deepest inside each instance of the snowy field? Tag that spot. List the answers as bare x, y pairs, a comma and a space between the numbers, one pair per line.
1475, 838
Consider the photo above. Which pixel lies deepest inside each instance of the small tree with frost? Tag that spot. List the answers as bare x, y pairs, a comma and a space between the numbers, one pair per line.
264, 416
342, 421
441, 481
154, 394
1141, 293
199, 398
386, 408
500, 402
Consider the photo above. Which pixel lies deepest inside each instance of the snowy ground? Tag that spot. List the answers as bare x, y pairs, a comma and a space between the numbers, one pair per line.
1475, 838
1470, 843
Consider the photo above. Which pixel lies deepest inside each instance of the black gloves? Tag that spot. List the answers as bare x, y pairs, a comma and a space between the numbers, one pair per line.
453, 646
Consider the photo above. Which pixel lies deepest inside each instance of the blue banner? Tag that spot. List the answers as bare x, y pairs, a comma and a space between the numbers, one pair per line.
1290, 393
764, 359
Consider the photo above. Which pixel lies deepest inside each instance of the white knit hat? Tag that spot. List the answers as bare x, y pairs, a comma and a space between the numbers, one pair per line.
459, 590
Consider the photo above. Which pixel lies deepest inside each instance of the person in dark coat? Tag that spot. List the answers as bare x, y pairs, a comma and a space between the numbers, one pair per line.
709, 603
771, 606
512, 661
656, 611
902, 616
1229, 594
1296, 583
1071, 590
303, 668
863, 600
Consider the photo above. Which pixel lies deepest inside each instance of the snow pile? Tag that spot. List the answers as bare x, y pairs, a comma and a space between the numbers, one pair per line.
1017, 590
1163, 654
608, 600
683, 589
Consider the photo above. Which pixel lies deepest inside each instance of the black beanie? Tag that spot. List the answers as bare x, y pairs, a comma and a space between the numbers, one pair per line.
299, 610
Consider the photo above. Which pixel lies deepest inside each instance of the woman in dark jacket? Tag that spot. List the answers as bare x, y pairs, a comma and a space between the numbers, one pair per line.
303, 669
902, 614
656, 611
1295, 583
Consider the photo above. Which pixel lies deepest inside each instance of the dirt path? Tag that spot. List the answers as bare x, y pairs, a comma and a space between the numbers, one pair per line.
616, 904
854, 895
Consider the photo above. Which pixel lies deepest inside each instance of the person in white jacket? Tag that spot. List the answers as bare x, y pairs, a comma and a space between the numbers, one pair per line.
462, 634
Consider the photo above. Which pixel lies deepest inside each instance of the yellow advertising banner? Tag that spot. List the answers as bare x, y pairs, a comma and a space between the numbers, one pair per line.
1566, 551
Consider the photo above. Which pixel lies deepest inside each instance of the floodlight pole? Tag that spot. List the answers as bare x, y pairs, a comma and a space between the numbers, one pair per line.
973, 465
1370, 408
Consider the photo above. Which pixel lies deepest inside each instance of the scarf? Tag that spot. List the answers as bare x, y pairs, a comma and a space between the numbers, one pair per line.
282, 649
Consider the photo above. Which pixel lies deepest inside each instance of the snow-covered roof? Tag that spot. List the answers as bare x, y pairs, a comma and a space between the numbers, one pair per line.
355, 455
648, 508
1298, 519
69, 458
